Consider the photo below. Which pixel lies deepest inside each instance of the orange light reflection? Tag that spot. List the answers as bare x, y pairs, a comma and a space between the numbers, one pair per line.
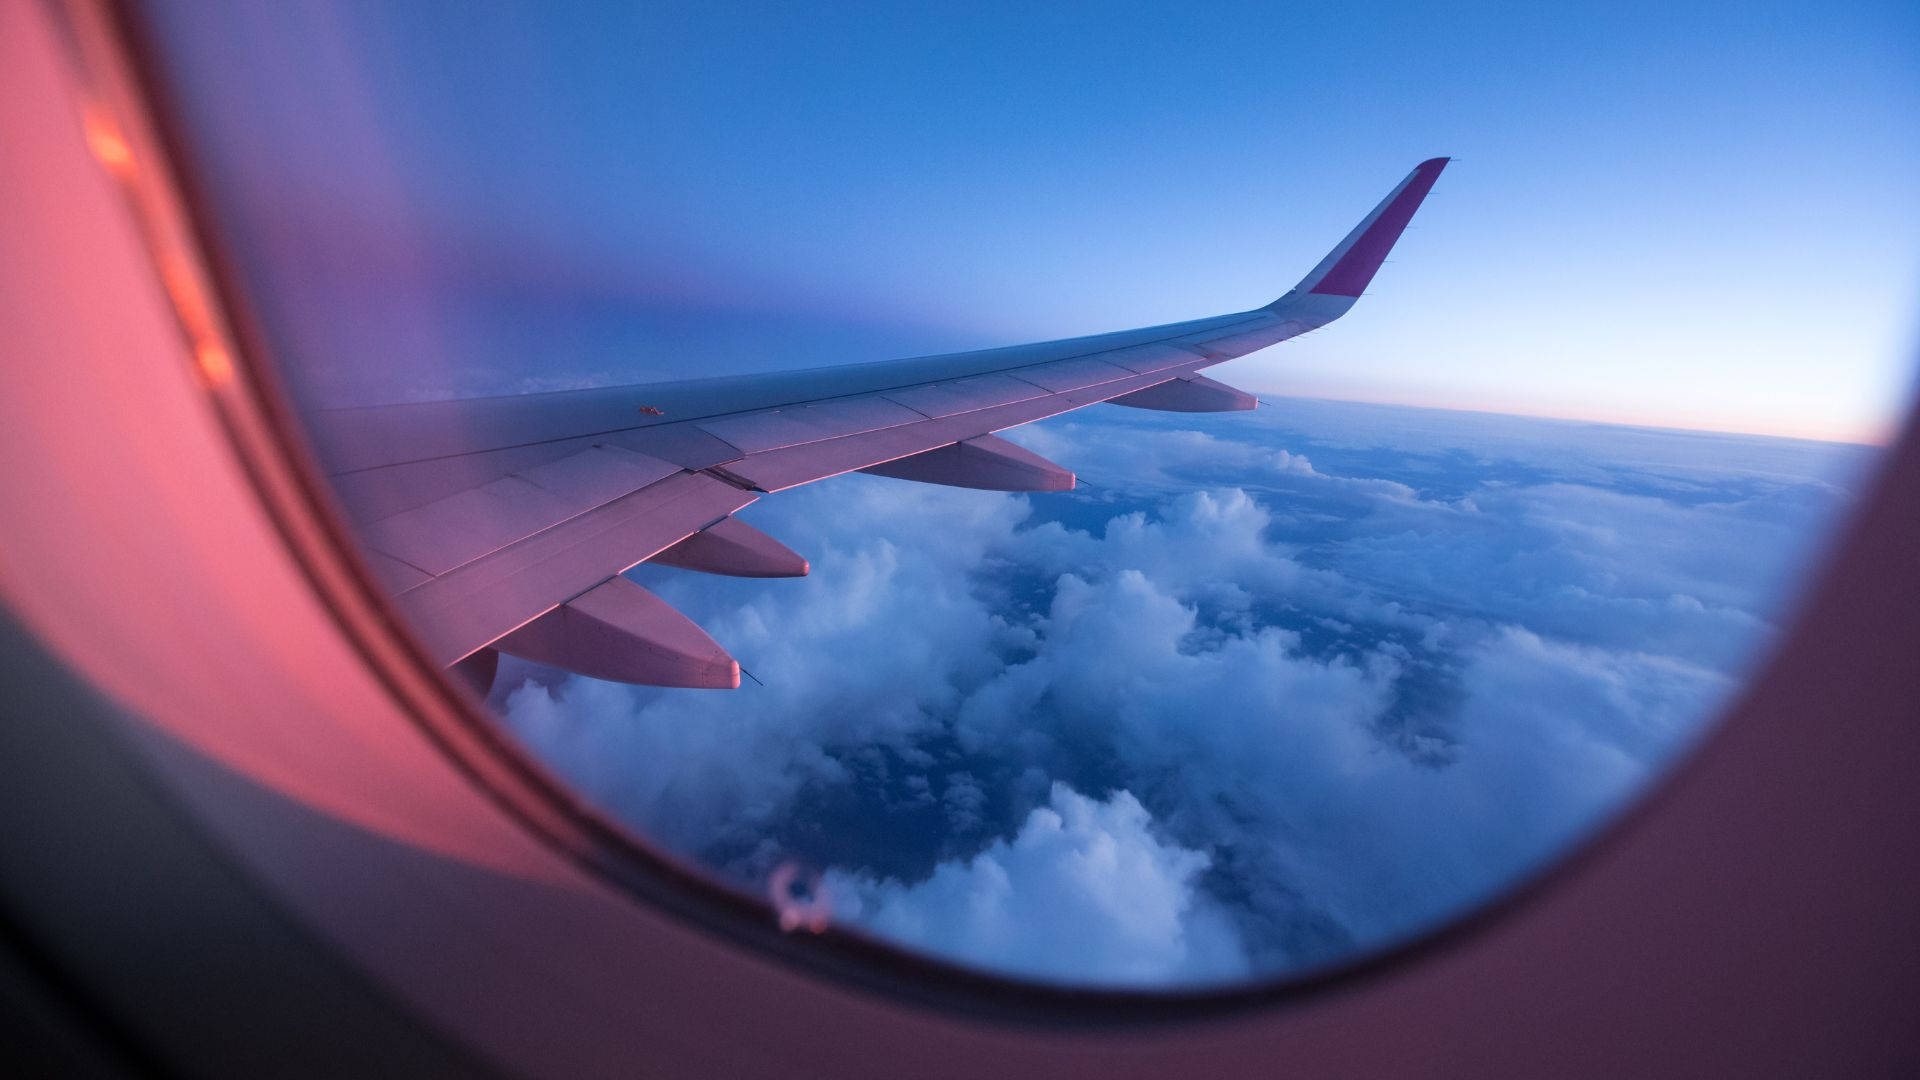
108, 145
216, 366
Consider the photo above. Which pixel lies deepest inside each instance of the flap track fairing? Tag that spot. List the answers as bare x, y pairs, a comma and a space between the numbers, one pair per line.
621, 632
734, 548
1190, 393
987, 462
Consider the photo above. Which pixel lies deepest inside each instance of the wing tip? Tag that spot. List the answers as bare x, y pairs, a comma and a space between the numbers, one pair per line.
1349, 268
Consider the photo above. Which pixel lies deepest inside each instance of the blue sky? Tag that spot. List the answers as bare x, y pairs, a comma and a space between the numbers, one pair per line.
1685, 214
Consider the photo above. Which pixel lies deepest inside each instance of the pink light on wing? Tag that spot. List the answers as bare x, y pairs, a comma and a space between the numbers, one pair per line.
1349, 276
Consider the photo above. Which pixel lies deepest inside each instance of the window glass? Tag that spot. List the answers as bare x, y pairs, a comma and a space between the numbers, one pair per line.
1267, 690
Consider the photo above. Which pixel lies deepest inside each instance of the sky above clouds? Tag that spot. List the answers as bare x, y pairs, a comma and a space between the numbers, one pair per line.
1270, 690
1685, 214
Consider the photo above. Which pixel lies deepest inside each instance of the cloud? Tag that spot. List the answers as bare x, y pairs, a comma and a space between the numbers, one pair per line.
1337, 683
1242, 736
1082, 893
882, 639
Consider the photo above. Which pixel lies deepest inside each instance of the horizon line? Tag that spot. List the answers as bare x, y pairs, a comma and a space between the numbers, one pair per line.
1878, 440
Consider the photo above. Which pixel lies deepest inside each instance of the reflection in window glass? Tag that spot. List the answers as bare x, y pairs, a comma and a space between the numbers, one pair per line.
1268, 690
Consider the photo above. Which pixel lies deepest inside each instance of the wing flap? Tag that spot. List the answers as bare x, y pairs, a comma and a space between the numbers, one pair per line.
1064, 375
468, 608
459, 528
772, 429
394, 574
1227, 346
758, 431
942, 399
372, 494
847, 416
1148, 359
684, 444
791, 466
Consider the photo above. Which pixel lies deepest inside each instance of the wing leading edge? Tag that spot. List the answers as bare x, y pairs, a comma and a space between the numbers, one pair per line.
504, 523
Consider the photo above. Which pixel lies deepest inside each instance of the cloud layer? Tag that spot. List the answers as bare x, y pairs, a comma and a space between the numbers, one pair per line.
1083, 892
1257, 697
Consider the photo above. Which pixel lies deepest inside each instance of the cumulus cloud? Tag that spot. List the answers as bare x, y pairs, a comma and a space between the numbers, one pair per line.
1338, 680
882, 639
1082, 893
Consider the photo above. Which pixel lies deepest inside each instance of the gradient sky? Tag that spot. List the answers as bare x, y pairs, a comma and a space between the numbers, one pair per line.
1681, 214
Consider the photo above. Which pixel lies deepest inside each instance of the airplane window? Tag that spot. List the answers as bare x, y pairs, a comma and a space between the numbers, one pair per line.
1227, 650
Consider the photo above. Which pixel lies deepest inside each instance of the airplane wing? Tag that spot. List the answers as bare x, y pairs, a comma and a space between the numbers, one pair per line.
504, 523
